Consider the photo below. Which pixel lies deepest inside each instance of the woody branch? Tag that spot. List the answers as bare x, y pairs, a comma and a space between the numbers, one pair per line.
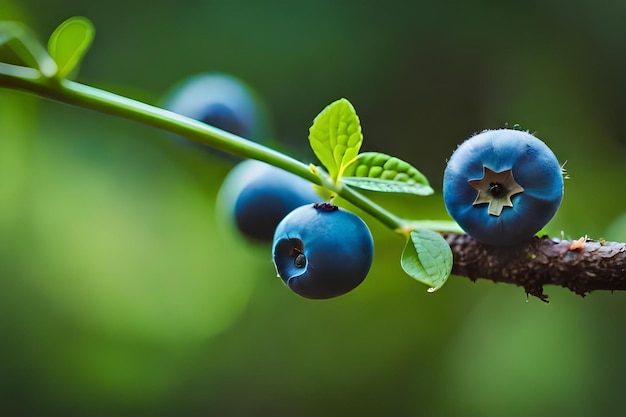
582, 265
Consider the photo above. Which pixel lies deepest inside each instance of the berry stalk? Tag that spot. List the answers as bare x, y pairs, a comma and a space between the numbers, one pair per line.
81, 95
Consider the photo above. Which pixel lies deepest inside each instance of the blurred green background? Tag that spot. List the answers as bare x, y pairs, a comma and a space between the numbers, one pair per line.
121, 293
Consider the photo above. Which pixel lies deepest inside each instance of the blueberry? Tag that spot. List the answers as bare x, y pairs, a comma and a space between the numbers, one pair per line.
259, 195
322, 251
502, 186
222, 101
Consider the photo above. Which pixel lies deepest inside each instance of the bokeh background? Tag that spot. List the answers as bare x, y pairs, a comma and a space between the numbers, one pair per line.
123, 293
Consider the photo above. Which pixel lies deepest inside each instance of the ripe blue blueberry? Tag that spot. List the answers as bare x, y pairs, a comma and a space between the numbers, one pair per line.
259, 195
322, 251
220, 100
502, 186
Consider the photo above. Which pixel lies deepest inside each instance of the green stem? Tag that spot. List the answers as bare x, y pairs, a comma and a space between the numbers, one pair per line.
85, 96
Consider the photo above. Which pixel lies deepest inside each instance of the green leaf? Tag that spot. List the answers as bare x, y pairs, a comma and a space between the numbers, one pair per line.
336, 137
427, 257
69, 43
381, 172
388, 186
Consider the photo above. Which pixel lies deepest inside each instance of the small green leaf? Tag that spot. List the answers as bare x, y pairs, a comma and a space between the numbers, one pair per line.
427, 257
381, 172
336, 137
69, 43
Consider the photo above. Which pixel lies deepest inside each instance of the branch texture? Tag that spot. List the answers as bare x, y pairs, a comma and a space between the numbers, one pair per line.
581, 265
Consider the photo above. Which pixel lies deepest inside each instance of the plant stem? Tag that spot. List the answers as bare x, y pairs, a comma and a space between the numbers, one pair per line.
106, 102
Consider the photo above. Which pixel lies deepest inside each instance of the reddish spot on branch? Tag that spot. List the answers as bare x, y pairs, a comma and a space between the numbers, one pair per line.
578, 244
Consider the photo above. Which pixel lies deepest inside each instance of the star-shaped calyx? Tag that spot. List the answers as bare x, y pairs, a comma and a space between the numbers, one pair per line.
496, 189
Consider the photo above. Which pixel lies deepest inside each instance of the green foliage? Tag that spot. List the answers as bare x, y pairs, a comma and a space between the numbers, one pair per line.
427, 257
69, 43
377, 171
336, 137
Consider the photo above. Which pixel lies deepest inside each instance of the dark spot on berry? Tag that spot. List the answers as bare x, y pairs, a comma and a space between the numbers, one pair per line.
300, 261
325, 206
496, 189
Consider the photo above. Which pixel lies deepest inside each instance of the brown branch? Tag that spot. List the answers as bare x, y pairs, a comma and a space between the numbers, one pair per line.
581, 266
